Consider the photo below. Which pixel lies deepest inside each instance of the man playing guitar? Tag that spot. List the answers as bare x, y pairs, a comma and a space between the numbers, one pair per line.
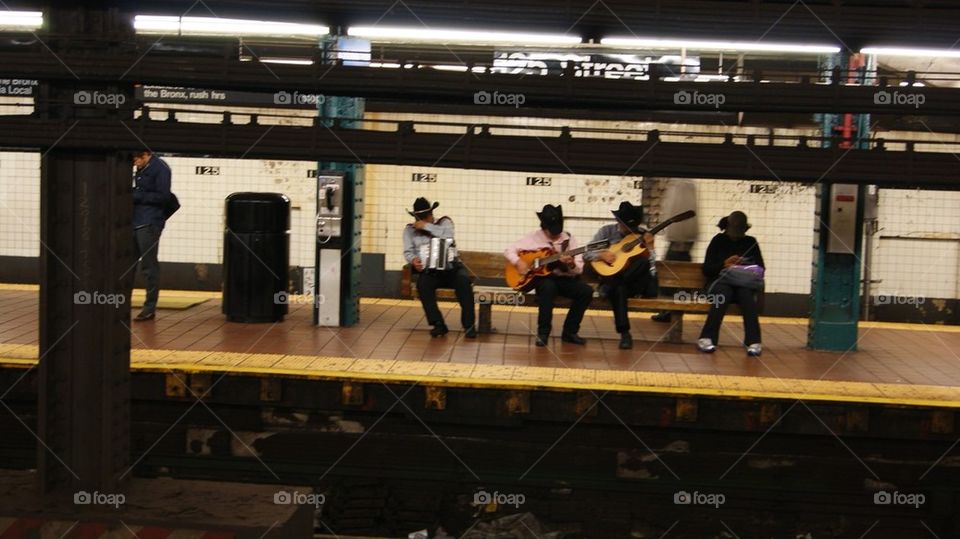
636, 278
563, 280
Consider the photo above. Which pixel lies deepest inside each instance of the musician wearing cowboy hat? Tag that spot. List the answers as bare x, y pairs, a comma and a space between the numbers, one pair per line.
416, 236
564, 280
637, 278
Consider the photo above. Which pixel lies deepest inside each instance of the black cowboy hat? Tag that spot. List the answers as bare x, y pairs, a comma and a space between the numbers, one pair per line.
736, 224
551, 218
421, 206
629, 215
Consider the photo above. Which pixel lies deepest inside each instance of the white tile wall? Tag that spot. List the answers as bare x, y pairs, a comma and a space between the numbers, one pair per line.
20, 203
195, 233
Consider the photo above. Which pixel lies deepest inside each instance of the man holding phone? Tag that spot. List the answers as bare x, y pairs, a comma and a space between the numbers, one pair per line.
151, 193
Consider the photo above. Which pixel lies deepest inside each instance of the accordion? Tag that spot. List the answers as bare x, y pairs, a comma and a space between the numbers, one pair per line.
439, 254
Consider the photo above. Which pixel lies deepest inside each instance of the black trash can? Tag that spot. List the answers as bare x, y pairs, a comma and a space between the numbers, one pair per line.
256, 257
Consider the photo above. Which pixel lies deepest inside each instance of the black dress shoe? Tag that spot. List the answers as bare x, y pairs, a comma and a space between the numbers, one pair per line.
626, 341
542, 340
439, 330
661, 317
144, 316
573, 338
471, 333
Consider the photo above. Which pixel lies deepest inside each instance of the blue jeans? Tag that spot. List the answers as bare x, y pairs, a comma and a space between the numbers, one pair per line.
146, 241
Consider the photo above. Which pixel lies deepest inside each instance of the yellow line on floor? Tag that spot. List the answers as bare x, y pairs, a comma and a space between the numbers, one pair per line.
519, 377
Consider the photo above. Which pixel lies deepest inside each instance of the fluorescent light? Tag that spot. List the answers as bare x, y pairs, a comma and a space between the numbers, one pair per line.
697, 45
904, 51
20, 20
461, 69
380, 33
288, 61
216, 26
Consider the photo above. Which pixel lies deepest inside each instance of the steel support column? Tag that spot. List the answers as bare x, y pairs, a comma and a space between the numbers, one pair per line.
835, 290
86, 273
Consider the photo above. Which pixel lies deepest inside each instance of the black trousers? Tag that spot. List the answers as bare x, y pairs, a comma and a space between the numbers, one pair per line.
429, 281
548, 288
725, 294
146, 241
633, 281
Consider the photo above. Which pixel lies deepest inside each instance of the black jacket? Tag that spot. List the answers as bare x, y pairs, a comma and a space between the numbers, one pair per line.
722, 247
151, 191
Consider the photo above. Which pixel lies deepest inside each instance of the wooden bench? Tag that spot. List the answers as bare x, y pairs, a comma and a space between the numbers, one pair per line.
486, 271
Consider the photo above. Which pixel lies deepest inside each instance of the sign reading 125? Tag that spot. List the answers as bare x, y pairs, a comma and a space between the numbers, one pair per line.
207, 171
539, 181
423, 177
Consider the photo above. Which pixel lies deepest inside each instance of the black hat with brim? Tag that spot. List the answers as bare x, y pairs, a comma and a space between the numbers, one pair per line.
421, 206
629, 215
551, 218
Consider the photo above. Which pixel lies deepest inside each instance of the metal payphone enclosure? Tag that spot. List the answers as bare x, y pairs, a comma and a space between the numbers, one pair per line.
329, 256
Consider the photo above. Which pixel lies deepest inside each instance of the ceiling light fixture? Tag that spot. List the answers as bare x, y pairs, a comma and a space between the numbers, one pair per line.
907, 51
215, 26
382, 33
735, 46
20, 20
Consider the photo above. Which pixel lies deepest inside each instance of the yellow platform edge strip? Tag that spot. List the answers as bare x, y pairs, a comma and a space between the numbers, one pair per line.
535, 378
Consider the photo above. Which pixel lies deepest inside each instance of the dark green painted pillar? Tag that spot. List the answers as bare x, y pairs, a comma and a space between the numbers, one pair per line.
838, 232
347, 112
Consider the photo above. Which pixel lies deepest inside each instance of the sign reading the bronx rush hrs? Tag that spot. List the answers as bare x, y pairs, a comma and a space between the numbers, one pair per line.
610, 66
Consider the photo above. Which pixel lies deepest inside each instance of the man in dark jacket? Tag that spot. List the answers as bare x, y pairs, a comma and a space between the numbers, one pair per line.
730, 248
151, 192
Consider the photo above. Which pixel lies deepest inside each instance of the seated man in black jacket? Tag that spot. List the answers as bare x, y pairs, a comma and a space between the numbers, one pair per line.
729, 248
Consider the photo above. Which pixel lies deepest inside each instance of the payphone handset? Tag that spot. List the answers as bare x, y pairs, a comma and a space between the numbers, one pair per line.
329, 207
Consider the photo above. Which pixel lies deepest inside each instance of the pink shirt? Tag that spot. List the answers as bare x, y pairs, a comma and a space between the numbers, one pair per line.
539, 240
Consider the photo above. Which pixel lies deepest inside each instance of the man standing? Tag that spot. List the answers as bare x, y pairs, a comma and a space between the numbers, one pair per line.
636, 278
680, 196
151, 193
564, 280
417, 235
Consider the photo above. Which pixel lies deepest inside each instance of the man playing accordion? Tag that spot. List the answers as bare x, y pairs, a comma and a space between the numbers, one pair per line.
429, 248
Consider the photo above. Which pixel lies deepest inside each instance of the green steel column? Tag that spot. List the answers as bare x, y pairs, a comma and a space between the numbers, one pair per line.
835, 288
348, 111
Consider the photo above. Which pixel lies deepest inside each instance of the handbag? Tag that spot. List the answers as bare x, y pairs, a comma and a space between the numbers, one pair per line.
743, 276
171, 206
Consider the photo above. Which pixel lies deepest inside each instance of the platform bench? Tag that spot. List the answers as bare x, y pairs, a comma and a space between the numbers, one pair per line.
486, 271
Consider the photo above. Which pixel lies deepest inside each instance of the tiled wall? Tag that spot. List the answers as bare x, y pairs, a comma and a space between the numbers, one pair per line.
491, 208
20, 204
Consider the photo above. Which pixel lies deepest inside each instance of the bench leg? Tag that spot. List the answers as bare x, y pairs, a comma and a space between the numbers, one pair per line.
675, 333
485, 324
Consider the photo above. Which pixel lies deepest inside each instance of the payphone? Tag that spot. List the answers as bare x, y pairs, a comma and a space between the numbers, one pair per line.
843, 219
328, 284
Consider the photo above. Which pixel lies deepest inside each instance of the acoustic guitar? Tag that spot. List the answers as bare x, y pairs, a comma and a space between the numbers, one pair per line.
632, 246
542, 262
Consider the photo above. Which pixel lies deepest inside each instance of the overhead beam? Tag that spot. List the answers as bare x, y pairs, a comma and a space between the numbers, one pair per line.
473, 149
225, 71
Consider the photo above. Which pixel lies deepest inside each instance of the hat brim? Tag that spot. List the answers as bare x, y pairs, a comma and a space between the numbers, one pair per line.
428, 210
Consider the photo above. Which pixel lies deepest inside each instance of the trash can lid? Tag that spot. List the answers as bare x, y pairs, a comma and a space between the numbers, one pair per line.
258, 212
